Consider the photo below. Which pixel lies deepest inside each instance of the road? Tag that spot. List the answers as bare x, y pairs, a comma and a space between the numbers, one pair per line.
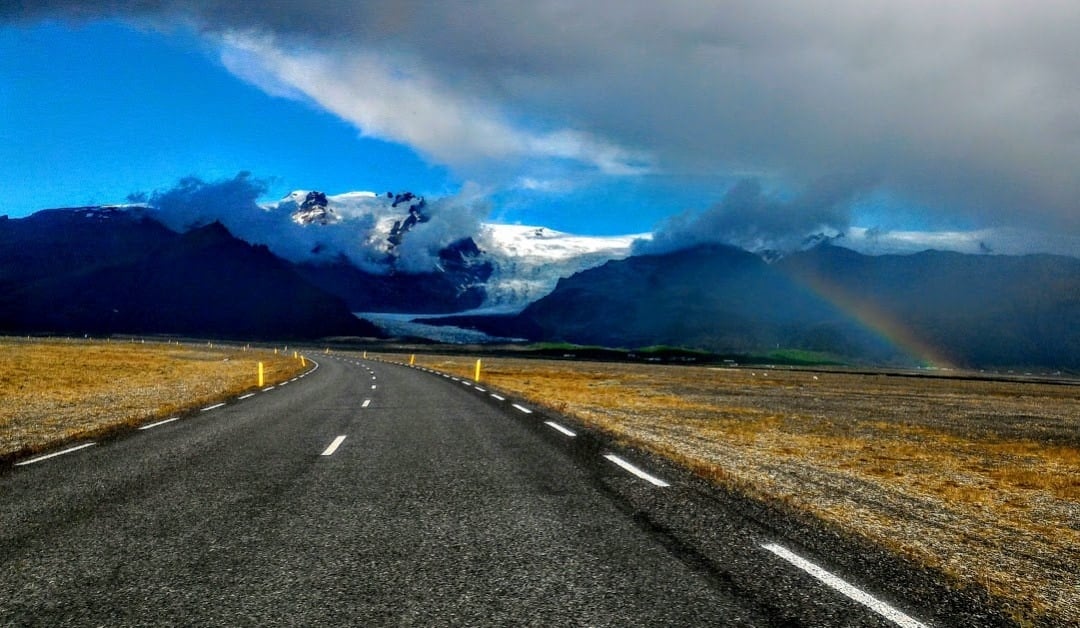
369, 493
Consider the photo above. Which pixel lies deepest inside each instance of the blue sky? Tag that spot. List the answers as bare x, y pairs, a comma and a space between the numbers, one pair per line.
95, 112
99, 111
579, 118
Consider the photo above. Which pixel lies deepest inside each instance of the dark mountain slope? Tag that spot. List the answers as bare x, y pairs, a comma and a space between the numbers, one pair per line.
205, 282
59, 241
457, 285
974, 310
978, 309
712, 297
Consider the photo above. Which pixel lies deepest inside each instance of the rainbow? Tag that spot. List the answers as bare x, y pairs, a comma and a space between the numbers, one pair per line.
878, 321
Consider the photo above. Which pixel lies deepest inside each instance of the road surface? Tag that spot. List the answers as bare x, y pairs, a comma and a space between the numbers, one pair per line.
370, 493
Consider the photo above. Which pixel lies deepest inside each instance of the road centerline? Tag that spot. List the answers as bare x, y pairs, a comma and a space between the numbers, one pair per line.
329, 451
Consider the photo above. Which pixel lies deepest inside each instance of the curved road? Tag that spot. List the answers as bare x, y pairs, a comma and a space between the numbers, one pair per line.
369, 493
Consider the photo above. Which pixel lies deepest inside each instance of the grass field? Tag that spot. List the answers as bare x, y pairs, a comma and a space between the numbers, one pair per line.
977, 479
54, 391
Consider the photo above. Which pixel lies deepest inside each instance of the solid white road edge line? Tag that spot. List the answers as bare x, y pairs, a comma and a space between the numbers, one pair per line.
367, 402
558, 428
333, 446
213, 407
522, 408
54, 454
860, 596
636, 471
146, 427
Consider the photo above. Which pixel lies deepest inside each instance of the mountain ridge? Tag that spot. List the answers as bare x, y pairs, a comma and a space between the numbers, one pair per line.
965, 310
203, 282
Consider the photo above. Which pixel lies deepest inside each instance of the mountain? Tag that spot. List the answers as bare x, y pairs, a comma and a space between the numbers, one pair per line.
118, 272
528, 261
57, 241
967, 310
396, 252
457, 283
975, 309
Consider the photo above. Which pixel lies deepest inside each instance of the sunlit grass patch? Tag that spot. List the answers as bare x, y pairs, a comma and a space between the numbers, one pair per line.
53, 391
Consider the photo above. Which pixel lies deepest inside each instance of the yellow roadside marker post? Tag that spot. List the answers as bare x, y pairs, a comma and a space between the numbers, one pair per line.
476, 377
412, 359
261, 381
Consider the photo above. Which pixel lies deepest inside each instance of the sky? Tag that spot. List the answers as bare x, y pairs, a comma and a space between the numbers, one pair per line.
752, 122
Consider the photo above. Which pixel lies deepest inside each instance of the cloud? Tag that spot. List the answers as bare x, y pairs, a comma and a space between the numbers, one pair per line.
358, 234
967, 108
1001, 241
395, 100
449, 220
749, 218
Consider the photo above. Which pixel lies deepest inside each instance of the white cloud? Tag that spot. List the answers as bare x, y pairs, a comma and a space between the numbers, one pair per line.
396, 100
968, 108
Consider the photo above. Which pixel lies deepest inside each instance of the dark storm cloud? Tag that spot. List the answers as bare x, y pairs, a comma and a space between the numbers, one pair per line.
967, 108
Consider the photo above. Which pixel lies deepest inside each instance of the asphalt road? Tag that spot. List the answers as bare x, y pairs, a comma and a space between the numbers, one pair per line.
369, 493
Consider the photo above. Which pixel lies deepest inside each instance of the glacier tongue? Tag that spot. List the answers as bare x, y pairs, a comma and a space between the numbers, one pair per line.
530, 260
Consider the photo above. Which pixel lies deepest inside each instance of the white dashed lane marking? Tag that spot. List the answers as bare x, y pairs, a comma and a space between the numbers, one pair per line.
54, 454
146, 427
367, 402
558, 428
247, 396
213, 407
651, 479
860, 596
522, 408
329, 451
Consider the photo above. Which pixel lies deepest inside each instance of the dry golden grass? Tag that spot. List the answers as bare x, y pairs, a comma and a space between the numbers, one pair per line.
52, 391
978, 479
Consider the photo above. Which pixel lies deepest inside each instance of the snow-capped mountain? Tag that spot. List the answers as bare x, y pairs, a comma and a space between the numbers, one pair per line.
408, 235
